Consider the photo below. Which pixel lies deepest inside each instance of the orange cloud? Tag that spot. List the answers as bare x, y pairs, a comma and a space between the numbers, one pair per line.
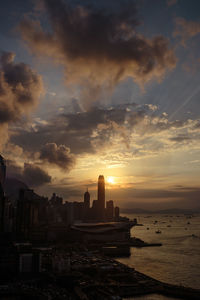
171, 2
186, 29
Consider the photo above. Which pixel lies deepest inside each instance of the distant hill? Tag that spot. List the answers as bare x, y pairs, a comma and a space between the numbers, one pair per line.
178, 211
135, 211
162, 211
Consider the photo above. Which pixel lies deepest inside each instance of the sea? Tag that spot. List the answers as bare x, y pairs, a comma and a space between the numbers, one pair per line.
177, 261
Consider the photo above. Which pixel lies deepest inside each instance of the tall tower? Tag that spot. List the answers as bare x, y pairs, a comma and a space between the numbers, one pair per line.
2, 171
101, 195
2, 198
87, 200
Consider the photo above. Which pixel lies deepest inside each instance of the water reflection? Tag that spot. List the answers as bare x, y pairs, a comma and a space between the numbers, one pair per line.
178, 260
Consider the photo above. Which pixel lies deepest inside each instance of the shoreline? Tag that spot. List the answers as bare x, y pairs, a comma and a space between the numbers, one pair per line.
94, 276
154, 286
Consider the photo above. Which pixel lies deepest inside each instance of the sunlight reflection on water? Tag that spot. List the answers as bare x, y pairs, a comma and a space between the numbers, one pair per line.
152, 297
178, 260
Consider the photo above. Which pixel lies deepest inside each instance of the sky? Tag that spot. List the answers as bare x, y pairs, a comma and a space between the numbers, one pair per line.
103, 87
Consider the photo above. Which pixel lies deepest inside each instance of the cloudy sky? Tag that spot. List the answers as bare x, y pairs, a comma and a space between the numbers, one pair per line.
103, 87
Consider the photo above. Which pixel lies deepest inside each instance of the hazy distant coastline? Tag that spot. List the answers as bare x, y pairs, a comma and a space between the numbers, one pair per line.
162, 211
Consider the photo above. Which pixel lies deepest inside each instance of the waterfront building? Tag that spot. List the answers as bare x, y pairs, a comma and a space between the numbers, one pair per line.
87, 200
2, 196
2, 171
68, 212
116, 213
86, 206
55, 209
9, 216
78, 211
102, 231
55, 200
31, 214
109, 210
95, 210
2, 208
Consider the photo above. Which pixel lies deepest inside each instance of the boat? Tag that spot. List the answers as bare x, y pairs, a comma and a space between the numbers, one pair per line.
158, 231
195, 236
147, 228
169, 226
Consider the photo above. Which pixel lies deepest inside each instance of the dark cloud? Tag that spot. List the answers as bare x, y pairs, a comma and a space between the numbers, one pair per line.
91, 131
30, 174
13, 169
76, 130
68, 193
97, 48
20, 89
180, 138
58, 155
35, 176
186, 197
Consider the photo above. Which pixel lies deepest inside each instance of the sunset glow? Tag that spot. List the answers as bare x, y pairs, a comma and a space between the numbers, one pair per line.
99, 149
111, 179
120, 97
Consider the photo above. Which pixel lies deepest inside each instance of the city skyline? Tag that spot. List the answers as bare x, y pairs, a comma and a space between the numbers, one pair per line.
90, 87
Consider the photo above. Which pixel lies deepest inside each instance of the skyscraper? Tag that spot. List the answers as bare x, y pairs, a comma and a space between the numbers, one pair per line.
101, 196
87, 200
2, 198
109, 210
2, 171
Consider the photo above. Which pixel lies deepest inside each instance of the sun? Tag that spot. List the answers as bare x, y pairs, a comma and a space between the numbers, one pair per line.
111, 179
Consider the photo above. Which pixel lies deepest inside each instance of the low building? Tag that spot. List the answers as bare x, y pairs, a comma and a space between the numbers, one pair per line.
102, 232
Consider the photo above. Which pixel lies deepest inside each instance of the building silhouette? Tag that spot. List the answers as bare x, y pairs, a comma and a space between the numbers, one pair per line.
117, 213
2, 171
86, 206
2, 196
31, 214
32, 217
87, 200
109, 210
101, 197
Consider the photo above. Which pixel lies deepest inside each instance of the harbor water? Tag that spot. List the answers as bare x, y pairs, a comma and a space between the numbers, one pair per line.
177, 261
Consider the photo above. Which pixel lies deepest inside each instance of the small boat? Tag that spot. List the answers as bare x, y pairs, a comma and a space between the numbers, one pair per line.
147, 228
169, 226
194, 235
188, 223
158, 231
155, 222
